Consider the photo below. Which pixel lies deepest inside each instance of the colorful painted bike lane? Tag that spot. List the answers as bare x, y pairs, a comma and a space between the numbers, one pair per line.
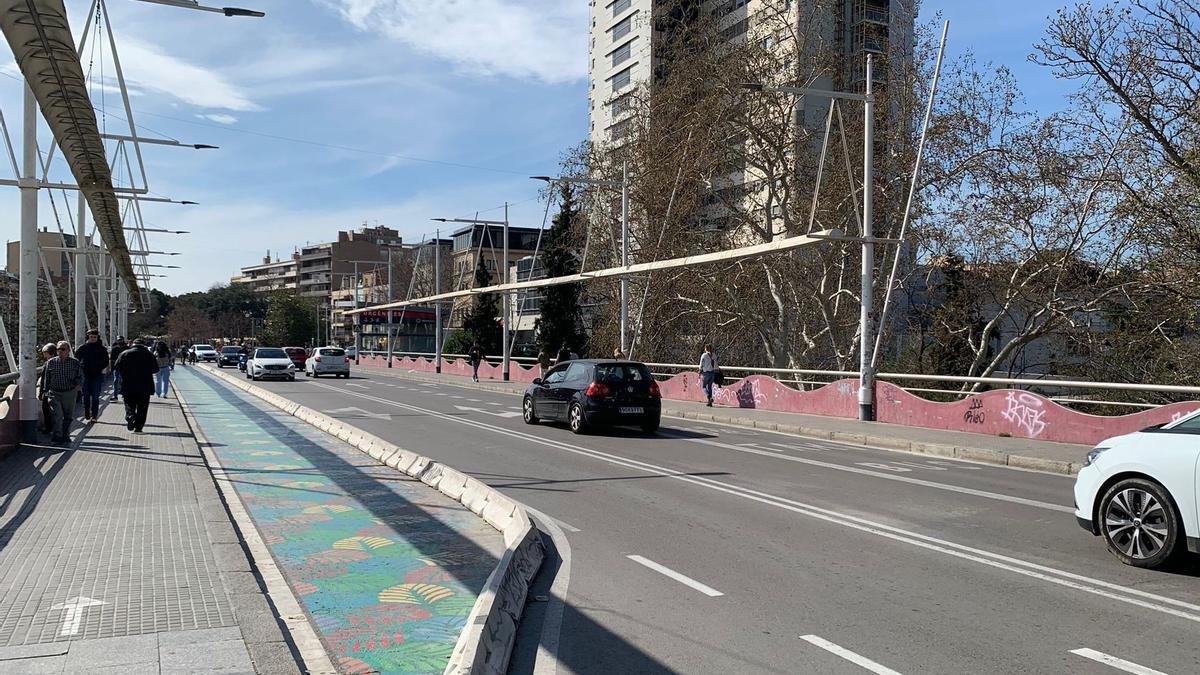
387, 568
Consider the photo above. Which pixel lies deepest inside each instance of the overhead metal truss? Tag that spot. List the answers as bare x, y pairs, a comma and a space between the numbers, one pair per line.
41, 41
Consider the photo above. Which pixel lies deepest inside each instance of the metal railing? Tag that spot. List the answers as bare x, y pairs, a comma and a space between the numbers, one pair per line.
666, 370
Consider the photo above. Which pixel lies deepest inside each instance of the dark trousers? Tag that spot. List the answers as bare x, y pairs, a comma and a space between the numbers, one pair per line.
92, 386
136, 407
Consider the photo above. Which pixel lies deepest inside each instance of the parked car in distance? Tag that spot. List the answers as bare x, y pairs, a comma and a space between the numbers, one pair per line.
1141, 493
298, 355
204, 352
587, 393
328, 361
270, 362
229, 356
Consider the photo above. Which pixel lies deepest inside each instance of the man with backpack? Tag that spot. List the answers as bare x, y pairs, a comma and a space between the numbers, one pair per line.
710, 373
475, 357
137, 366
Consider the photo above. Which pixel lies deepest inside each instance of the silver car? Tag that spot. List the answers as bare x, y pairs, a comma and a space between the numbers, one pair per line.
328, 361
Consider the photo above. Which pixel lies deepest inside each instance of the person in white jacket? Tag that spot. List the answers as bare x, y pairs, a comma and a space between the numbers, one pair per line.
708, 372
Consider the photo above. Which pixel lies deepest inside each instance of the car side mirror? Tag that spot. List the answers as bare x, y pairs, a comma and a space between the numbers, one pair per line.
537, 381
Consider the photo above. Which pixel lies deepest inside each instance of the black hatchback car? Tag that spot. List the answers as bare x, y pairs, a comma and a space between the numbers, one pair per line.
229, 356
591, 393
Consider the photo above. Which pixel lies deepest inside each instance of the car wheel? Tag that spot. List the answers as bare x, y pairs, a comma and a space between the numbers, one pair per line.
1139, 523
527, 411
651, 424
291, 378
576, 420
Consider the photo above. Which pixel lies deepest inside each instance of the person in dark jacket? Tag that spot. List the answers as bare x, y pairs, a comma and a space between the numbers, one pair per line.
475, 357
114, 353
93, 357
137, 366
564, 355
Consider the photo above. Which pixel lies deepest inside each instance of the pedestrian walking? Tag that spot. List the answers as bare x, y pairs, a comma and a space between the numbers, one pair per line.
709, 372
93, 358
137, 366
563, 356
182, 356
63, 380
618, 354
114, 353
49, 351
475, 356
166, 363
543, 361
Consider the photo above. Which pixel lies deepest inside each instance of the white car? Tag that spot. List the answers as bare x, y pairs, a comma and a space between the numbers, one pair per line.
1141, 492
270, 363
204, 352
328, 361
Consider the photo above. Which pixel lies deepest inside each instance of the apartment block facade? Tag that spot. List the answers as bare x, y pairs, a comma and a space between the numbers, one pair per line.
624, 37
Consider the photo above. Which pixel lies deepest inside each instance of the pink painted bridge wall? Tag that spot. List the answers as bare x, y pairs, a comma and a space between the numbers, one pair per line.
1016, 413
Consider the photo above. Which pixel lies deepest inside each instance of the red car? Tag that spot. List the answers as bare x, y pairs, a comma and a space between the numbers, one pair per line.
298, 355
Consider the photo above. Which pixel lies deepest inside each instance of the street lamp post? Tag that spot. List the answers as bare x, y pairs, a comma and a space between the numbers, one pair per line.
623, 184
437, 305
504, 295
866, 380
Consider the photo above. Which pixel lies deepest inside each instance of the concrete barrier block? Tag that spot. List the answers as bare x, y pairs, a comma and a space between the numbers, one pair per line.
760, 424
1040, 464
844, 437
453, 483
889, 442
475, 495
417, 466
934, 449
432, 475
983, 455
499, 510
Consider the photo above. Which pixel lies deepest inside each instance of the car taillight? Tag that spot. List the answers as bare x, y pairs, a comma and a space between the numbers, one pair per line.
347, 359
597, 389
318, 359
654, 390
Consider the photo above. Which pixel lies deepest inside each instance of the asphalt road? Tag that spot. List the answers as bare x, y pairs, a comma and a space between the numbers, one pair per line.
715, 549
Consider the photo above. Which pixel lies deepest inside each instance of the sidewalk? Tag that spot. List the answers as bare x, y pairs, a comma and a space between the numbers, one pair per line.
1059, 458
117, 556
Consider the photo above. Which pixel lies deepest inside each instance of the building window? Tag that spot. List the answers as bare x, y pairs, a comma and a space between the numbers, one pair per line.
621, 55
621, 105
621, 79
622, 29
620, 6
620, 130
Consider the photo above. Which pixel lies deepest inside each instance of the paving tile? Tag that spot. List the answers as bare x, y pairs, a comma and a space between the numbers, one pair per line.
227, 656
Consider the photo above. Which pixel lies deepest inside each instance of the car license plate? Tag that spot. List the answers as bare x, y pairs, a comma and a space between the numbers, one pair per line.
631, 410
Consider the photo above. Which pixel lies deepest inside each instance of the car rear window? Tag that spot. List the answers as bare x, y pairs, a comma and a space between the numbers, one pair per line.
294, 351
231, 350
208, 347
270, 354
333, 352
622, 372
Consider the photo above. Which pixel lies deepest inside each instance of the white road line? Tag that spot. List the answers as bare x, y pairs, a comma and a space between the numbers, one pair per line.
474, 400
1086, 584
850, 656
885, 476
919, 466
1114, 662
668, 572
756, 445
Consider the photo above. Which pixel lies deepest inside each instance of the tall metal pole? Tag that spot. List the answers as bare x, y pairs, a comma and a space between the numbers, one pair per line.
123, 315
27, 304
102, 298
114, 295
504, 296
389, 310
625, 257
357, 322
80, 268
437, 305
866, 386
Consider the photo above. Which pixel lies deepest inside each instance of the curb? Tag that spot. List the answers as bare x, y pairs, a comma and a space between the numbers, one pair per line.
486, 643
973, 454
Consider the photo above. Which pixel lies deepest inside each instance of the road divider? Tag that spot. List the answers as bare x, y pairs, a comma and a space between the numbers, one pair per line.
842, 652
485, 645
672, 574
1114, 662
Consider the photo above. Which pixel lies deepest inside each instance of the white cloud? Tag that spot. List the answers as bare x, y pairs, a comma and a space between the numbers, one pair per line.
219, 118
530, 39
153, 70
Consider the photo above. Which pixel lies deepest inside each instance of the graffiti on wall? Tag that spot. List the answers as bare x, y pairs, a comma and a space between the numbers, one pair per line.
975, 413
1025, 411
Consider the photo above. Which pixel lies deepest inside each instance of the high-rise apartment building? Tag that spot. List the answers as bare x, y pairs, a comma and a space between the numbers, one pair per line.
624, 43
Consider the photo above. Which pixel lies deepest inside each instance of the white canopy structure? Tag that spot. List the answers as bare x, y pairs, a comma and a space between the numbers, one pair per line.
41, 41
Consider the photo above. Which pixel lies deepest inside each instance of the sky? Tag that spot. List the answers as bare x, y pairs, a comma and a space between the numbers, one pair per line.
398, 111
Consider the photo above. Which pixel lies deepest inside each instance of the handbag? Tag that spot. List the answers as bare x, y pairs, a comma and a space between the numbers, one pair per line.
718, 377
